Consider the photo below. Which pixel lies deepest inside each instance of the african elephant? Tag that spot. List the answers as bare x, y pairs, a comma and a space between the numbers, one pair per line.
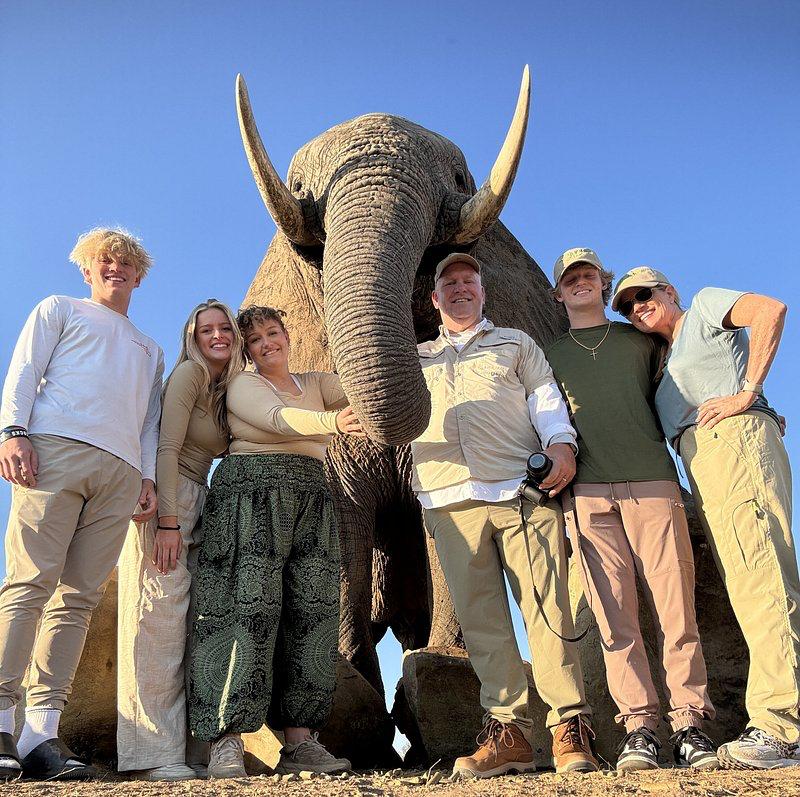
369, 207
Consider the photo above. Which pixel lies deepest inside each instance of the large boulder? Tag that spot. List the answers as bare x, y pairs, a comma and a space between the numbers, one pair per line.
359, 727
437, 703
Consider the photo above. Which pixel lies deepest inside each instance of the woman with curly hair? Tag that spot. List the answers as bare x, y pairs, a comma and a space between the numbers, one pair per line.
154, 570
266, 619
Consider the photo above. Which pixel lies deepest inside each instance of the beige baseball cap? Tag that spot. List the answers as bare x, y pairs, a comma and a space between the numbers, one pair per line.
640, 277
456, 257
573, 256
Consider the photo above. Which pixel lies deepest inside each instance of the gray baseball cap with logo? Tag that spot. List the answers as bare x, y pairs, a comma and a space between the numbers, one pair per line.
571, 258
640, 277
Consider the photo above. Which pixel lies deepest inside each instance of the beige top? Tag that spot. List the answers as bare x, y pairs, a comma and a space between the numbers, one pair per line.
189, 438
264, 420
480, 425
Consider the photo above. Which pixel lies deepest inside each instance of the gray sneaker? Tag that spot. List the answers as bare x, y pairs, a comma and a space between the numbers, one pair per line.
756, 749
639, 750
226, 759
310, 756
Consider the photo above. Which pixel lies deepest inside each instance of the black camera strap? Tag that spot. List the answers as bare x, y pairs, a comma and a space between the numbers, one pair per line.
536, 596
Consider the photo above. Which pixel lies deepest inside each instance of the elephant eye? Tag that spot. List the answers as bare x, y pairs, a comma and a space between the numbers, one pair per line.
461, 182
297, 186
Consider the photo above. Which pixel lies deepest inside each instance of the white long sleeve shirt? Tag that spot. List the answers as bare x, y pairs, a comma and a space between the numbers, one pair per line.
83, 371
549, 417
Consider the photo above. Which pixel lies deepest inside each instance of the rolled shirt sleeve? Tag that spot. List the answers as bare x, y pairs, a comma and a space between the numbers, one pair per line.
546, 406
550, 417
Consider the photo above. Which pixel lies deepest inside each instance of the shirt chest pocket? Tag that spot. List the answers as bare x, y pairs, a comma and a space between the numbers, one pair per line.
433, 369
495, 361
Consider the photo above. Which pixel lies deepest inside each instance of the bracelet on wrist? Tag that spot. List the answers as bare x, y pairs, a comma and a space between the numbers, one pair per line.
159, 527
12, 431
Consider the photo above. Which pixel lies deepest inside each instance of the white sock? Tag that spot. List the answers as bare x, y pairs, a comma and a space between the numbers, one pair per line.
41, 724
7, 720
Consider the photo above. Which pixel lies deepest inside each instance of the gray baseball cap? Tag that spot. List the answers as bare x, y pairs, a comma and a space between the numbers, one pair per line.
456, 257
572, 257
640, 277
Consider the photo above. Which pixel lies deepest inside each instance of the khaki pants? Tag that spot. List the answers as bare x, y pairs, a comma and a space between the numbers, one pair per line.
631, 529
477, 542
740, 476
151, 641
63, 540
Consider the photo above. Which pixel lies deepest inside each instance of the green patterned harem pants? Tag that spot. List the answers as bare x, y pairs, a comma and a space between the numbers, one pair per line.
266, 598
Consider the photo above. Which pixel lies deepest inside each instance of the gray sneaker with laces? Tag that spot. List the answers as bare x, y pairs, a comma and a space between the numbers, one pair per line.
226, 757
310, 756
756, 749
639, 750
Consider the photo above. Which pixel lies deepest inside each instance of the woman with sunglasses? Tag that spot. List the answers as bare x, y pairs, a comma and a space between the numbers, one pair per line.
154, 569
713, 411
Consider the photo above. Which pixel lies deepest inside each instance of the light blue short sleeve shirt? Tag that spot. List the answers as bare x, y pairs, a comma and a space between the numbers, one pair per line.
706, 361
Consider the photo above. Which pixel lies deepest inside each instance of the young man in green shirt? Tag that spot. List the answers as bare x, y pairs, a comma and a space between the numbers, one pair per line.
627, 520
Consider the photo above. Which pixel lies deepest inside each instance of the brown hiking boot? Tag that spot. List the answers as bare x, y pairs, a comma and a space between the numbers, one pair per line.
572, 746
501, 748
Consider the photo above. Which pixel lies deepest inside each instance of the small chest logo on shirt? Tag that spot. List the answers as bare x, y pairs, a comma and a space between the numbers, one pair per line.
142, 346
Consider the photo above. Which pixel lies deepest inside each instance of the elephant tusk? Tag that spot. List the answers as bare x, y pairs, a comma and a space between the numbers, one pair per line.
483, 209
286, 211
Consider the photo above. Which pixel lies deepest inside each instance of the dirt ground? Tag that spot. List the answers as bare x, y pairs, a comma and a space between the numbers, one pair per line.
781, 783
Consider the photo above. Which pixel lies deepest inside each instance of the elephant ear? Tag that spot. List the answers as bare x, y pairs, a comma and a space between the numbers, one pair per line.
517, 292
291, 281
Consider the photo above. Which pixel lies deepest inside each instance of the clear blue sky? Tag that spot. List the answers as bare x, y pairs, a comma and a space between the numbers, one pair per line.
661, 133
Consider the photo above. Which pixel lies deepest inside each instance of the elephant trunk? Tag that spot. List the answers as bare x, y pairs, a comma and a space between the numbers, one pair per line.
374, 245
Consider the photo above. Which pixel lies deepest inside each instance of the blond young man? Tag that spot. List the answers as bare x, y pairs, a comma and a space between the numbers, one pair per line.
626, 518
494, 403
80, 411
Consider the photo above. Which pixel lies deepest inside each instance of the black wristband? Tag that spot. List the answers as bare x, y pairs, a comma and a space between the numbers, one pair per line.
12, 431
159, 527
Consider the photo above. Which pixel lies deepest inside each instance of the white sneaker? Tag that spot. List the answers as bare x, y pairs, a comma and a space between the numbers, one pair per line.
310, 756
756, 749
226, 759
166, 772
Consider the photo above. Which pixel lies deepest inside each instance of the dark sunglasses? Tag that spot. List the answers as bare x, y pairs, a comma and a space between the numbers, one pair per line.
642, 295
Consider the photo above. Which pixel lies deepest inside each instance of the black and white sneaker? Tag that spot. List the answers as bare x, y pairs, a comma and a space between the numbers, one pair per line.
639, 750
692, 748
756, 749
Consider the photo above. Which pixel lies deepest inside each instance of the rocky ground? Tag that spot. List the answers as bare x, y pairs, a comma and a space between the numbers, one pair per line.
781, 783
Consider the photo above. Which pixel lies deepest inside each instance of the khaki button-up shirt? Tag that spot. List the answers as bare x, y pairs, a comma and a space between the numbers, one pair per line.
480, 425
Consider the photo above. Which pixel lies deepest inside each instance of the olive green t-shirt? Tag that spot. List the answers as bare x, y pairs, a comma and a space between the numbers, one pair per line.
610, 398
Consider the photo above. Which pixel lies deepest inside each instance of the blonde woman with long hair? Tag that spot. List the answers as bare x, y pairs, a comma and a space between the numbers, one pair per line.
154, 577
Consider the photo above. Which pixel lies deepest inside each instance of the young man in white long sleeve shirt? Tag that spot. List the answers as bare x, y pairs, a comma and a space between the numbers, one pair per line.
494, 403
80, 412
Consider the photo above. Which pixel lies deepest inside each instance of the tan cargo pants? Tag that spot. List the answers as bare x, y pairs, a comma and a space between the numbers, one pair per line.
740, 476
151, 641
63, 540
630, 529
477, 542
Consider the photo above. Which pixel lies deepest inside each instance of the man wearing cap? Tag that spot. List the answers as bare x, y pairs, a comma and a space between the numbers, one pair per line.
626, 518
713, 411
494, 403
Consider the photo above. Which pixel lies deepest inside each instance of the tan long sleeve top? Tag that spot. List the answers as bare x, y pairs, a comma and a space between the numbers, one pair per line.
189, 438
264, 420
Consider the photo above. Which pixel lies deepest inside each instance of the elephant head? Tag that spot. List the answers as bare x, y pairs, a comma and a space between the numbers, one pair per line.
372, 202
